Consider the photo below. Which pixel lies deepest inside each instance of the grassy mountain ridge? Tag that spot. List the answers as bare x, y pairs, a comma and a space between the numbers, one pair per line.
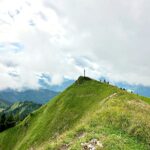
88, 109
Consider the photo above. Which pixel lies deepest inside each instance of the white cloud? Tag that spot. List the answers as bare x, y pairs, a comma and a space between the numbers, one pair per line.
61, 37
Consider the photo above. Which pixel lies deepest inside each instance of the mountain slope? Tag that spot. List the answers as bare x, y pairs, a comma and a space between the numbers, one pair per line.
12, 115
3, 104
21, 109
86, 110
40, 96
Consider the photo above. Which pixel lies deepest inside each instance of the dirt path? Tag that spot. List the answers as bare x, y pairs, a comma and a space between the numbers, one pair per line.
107, 98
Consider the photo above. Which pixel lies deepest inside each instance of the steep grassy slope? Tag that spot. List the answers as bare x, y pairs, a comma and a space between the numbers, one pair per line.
86, 110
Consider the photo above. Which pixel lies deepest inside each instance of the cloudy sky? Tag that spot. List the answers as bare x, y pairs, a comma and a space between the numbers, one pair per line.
58, 38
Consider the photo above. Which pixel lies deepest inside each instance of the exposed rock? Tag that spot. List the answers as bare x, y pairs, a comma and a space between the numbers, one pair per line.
64, 147
80, 135
92, 145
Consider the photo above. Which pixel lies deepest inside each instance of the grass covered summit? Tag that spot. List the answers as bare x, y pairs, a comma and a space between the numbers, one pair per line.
87, 111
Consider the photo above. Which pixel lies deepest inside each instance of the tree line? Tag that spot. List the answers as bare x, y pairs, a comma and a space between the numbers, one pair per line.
8, 121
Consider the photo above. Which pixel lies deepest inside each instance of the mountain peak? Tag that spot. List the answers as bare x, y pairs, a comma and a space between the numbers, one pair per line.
82, 79
85, 112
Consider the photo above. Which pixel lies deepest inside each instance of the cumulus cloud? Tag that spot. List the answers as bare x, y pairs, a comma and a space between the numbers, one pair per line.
59, 38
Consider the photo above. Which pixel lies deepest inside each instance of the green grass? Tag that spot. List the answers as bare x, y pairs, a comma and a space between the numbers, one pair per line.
120, 120
22, 108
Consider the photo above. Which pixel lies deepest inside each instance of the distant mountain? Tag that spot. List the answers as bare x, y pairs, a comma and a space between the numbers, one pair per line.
66, 83
22, 109
4, 104
62, 86
15, 113
40, 96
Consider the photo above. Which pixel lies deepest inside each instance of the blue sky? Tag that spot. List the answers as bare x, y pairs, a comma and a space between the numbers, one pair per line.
59, 38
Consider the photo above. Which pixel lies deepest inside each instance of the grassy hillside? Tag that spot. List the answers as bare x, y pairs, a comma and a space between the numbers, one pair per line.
86, 110
21, 109
12, 115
